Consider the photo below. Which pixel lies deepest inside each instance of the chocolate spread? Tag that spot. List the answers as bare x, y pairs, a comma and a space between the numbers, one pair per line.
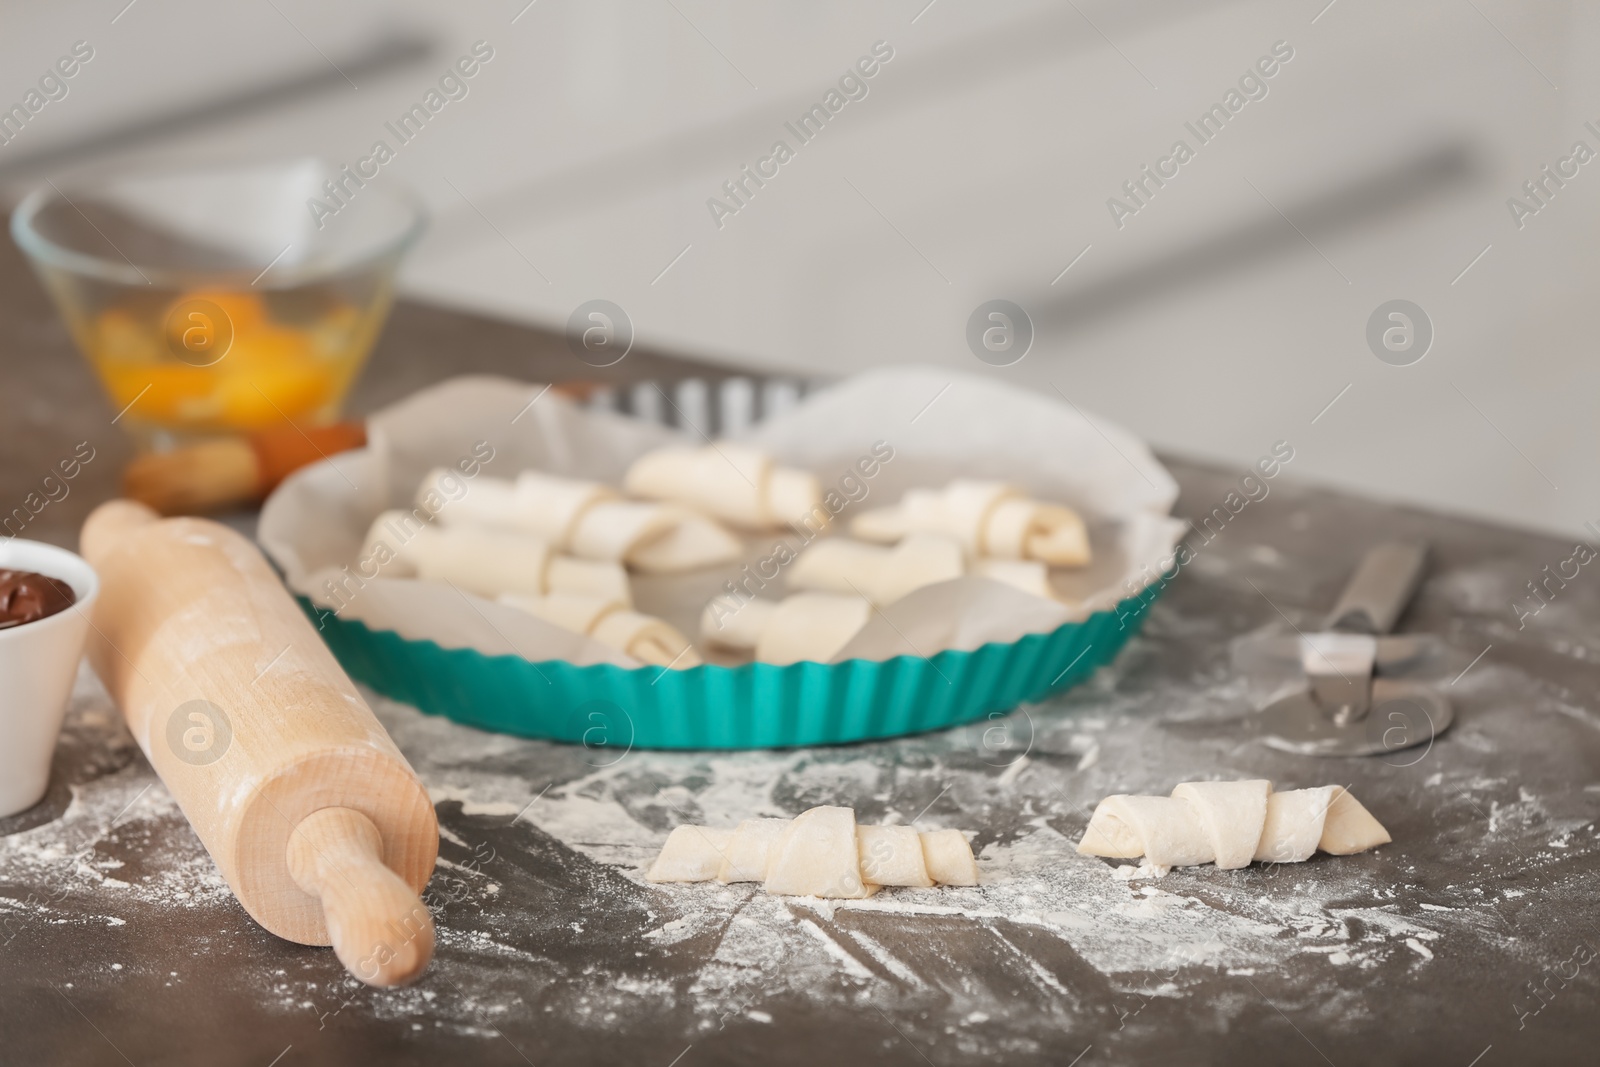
28, 597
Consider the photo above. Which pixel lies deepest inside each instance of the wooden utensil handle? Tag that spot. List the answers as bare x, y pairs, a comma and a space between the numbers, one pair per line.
381, 931
110, 524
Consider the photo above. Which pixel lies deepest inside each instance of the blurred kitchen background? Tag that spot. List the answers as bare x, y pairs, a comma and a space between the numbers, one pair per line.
1229, 313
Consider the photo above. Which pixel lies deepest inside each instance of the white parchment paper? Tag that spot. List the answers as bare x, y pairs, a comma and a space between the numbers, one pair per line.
940, 425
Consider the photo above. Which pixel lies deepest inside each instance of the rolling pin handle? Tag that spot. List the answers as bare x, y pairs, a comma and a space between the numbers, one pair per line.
109, 524
380, 930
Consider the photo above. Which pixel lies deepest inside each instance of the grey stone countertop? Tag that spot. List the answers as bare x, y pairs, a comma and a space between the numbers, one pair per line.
1470, 940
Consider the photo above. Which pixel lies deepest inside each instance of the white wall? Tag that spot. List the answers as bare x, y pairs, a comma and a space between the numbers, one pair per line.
979, 166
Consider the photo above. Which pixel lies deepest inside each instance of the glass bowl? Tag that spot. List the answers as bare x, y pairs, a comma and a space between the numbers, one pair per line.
215, 300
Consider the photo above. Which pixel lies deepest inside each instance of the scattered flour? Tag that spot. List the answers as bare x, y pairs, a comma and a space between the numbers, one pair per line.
1043, 918
1035, 889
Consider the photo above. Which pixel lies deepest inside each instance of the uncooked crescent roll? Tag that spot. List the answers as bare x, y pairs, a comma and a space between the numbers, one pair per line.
485, 561
584, 519
496, 503
884, 575
692, 542
893, 855
647, 638
691, 854
567, 574
821, 852
949, 857
614, 529
1231, 816
643, 637
1230, 824
1349, 828
804, 627
1163, 829
817, 855
987, 518
735, 482
1294, 824
738, 629
745, 859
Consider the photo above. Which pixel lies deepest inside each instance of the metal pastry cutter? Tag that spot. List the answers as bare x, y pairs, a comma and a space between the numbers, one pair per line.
1347, 707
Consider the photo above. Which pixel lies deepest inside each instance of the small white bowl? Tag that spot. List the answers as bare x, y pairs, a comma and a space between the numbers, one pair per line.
38, 663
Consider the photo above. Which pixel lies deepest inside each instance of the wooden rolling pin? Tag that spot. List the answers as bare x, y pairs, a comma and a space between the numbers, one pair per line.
313, 816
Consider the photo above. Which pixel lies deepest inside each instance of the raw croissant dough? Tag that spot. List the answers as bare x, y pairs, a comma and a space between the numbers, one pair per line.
735, 482
644, 637
809, 627
819, 853
485, 561
1230, 824
884, 575
587, 519
987, 518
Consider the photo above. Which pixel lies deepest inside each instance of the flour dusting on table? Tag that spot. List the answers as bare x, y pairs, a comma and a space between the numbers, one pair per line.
1046, 914
542, 907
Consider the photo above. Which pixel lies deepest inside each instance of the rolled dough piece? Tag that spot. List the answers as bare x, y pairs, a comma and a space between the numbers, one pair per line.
882, 575
816, 856
643, 637
919, 560
589, 576
1231, 823
749, 850
647, 638
692, 542
811, 627
892, 855
691, 854
484, 501
735, 482
1167, 829
1059, 537
480, 560
1109, 834
949, 857
537, 504
1294, 824
614, 529
988, 519
831, 565
821, 852
1026, 529
960, 510
585, 519
388, 539
1350, 828
1230, 815
805, 627
739, 628
793, 496
560, 505
488, 562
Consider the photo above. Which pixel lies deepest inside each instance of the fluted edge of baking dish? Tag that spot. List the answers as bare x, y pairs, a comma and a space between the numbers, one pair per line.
756, 705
